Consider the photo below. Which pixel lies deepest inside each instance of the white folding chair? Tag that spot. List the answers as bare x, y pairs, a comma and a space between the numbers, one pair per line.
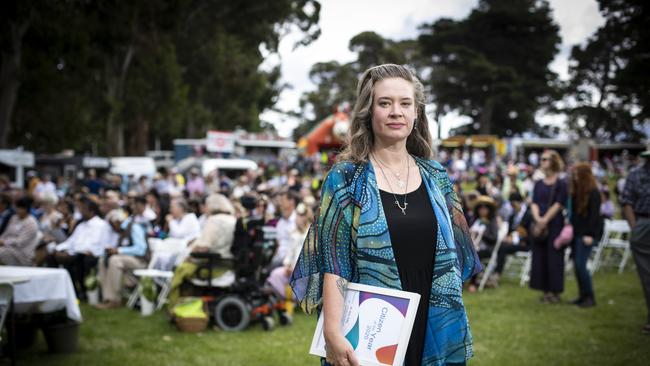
476, 234
165, 255
6, 301
518, 265
6, 295
527, 262
492, 263
568, 263
614, 247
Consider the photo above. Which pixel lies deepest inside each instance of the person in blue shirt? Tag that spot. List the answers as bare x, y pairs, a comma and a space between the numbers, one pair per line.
128, 255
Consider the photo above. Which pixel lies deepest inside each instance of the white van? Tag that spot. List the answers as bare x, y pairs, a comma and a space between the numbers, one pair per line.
243, 165
133, 165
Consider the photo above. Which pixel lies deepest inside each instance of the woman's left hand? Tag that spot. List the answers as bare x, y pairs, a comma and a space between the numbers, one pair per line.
588, 240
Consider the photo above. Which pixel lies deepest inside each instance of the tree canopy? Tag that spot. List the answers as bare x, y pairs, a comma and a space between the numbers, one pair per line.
493, 66
608, 96
336, 83
112, 76
115, 77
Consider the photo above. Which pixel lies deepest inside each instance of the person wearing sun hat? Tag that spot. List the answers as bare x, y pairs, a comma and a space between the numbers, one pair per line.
635, 201
484, 230
512, 182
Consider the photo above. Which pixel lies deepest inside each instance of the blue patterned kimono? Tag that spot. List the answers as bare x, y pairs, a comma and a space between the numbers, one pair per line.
350, 239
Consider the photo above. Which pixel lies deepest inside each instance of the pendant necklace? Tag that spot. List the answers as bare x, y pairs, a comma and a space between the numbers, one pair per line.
408, 171
400, 183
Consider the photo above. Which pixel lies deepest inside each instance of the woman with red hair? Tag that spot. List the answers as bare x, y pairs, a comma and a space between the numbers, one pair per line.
585, 217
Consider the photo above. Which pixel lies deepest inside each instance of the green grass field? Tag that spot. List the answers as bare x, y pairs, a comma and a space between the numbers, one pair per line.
509, 326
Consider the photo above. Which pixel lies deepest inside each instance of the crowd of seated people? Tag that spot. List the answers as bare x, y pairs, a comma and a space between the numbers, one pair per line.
103, 225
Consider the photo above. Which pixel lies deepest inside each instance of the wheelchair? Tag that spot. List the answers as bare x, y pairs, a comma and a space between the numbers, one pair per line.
239, 297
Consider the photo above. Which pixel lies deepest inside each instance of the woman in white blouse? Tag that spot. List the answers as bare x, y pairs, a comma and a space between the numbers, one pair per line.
182, 223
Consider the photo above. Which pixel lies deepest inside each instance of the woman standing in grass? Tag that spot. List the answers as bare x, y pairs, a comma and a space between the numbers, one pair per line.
389, 217
585, 217
549, 197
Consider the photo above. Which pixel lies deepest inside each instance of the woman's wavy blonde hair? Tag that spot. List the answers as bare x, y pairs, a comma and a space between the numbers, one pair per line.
360, 138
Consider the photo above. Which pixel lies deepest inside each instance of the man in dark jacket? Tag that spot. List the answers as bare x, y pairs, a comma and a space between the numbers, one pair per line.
636, 210
517, 238
6, 211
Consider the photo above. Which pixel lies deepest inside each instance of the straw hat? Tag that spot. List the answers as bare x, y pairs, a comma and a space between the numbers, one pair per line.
485, 201
512, 170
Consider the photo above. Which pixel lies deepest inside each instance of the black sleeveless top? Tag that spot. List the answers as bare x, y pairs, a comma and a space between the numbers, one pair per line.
413, 237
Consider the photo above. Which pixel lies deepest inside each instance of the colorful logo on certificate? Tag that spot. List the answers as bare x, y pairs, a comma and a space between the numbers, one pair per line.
374, 327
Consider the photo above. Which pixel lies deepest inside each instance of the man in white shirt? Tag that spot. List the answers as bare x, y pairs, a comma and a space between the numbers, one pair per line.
80, 252
44, 187
288, 201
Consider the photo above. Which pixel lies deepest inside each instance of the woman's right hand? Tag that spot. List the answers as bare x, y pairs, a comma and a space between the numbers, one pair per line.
340, 351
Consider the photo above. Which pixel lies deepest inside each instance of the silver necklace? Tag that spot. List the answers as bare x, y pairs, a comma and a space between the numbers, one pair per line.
400, 183
408, 171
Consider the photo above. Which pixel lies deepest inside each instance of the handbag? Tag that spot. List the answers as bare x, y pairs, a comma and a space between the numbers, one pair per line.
566, 235
538, 231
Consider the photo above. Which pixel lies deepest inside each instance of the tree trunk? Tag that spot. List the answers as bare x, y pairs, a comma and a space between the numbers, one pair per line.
190, 129
139, 137
9, 78
9, 85
115, 137
115, 94
485, 127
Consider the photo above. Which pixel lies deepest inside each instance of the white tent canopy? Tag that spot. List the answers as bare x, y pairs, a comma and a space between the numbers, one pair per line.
18, 159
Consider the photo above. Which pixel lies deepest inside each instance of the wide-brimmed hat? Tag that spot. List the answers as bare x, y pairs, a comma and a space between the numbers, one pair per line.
486, 201
512, 170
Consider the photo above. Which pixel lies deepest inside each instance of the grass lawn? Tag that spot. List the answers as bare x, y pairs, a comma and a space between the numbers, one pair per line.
509, 326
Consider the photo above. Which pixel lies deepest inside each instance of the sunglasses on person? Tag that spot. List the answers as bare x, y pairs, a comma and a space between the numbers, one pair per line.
545, 158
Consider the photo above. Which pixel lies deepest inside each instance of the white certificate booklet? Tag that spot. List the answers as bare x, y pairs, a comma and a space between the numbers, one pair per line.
377, 321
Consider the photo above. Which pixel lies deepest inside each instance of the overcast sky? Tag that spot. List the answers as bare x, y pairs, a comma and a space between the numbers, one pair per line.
340, 20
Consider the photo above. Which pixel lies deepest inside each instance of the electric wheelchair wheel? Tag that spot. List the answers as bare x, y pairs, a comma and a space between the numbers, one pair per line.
268, 323
285, 319
232, 314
